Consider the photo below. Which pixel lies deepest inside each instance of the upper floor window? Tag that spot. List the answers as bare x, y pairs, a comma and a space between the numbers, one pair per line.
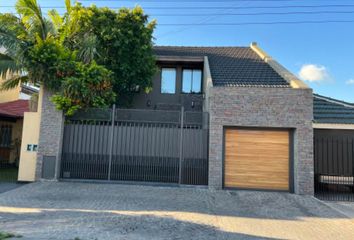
192, 81
168, 80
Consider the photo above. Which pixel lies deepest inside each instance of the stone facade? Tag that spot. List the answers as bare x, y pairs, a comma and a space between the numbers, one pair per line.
50, 134
228, 106
263, 107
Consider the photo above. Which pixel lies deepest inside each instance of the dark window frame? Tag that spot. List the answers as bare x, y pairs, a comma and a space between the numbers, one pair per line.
201, 80
175, 85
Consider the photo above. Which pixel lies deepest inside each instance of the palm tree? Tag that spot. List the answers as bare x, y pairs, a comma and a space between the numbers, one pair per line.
18, 34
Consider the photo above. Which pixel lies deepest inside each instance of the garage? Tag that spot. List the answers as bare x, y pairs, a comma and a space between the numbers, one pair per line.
257, 159
333, 149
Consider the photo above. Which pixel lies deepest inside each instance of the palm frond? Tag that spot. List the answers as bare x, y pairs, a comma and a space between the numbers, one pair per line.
9, 41
68, 5
13, 53
31, 14
56, 19
13, 82
87, 48
8, 66
13, 24
12, 31
36, 28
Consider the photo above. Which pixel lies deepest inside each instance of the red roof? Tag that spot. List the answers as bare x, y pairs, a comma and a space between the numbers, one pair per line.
14, 109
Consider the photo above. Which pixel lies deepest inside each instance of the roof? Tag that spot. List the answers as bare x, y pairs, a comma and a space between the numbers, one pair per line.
329, 110
230, 66
28, 89
14, 109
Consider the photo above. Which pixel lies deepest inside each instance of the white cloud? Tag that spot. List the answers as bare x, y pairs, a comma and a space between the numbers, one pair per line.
350, 82
314, 73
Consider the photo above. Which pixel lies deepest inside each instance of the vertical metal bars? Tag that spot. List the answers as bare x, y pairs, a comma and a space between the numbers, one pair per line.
334, 164
136, 145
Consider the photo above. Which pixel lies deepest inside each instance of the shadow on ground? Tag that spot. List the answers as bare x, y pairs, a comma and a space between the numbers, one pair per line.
107, 211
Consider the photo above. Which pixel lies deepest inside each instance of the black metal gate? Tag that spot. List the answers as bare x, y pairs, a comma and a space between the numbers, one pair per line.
136, 145
334, 164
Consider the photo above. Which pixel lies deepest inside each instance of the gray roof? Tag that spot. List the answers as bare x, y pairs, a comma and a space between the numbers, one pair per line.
329, 110
230, 66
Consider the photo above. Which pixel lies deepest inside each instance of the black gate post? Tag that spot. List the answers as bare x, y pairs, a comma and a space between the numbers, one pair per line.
181, 147
111, 142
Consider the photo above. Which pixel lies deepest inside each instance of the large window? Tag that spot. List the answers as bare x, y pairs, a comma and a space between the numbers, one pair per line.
168, 80
192, 81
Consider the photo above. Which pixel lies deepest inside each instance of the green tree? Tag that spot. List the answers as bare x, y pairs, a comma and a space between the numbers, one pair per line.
17, 37
35, 51
89, 86
88, 49
123, 44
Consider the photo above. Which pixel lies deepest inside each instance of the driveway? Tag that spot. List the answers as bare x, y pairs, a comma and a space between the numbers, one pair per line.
63, 210
7, 186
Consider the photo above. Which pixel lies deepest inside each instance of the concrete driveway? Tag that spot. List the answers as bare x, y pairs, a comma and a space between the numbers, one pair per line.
7, 186
83, 211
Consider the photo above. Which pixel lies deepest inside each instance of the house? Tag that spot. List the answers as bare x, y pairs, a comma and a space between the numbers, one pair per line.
11, 121
260, 122
22, 91
333, 148
13, 104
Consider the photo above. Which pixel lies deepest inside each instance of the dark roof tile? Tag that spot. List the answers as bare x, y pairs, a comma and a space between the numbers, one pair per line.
329, 110
230, 66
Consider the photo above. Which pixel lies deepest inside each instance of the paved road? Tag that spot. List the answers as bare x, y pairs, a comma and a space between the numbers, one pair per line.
86, 211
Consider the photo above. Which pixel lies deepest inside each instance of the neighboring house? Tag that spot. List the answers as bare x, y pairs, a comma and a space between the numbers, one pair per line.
330, 113
13, 104
11, 121
260, 116
334, 146
22, 91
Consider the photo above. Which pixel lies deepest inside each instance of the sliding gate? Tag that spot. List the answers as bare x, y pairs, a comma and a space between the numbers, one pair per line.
334, 164
136, 145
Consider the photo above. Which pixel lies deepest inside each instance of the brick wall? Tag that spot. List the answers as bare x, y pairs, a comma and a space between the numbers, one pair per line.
51, 130
263, 107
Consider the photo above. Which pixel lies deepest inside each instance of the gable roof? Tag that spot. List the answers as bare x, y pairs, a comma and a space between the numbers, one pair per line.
14, 109
230, 66
329, 110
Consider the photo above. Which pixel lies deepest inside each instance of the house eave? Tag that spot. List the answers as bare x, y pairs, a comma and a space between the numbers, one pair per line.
294, 81
180, 59
333, 126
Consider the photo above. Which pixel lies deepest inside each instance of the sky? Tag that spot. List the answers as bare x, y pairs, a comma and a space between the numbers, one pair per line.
321, 54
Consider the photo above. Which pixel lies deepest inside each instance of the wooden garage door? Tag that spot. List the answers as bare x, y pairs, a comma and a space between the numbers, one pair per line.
257, 159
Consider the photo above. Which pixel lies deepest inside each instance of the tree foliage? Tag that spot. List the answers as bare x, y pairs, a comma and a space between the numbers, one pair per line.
89, 86
123, 44
89, 57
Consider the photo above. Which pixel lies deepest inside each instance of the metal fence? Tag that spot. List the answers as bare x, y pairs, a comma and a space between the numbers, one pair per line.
136, 145
334, 165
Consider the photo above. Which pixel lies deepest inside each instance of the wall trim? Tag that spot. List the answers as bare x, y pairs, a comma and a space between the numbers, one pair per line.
207, 84
332, 126
180, 59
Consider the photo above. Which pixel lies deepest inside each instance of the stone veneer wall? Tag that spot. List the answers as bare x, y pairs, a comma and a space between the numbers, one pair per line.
263, 107
50, 134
